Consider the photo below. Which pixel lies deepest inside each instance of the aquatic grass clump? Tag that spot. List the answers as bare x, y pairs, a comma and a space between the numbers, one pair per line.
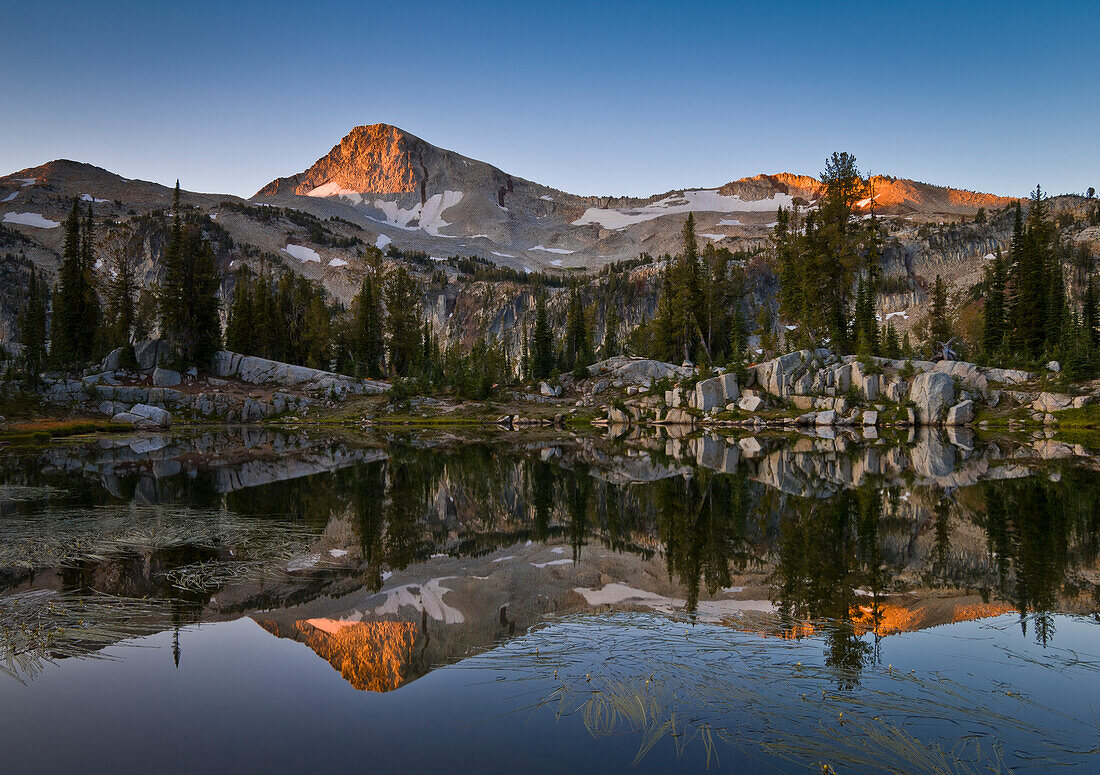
67, 537
662, 678
41, 627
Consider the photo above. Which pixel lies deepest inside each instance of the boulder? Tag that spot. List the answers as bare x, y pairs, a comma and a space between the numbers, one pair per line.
149, 353
710, 395
750, 404
961, 414
549, 390
1054, 366
678, 416
1052, 402
113, 361
144, 416
870, 417
932, 392
827, 417
616, 416
165, 377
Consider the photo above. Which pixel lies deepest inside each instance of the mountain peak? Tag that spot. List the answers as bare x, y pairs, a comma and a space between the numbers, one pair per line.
375, 158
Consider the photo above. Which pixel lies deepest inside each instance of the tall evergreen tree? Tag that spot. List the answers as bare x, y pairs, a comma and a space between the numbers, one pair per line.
993, 323
542, 341
402, 320
940, 328
72, 341
120, 287
188, 301
32, 325
369, 338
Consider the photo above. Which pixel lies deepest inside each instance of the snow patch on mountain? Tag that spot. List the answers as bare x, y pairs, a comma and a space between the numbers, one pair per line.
703, 200
561, 251
10, 196
90, 198
337, 262
333, 189
30, 219
429, 216
302, 253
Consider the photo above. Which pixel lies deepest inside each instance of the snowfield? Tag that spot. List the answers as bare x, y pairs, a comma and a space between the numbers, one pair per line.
302, 253
30, 219
704, 200
428, 215
382, 241
337, 262
714, 237
333, 189
561, 251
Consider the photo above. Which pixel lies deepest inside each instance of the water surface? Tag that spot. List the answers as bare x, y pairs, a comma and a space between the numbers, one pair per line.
251, 600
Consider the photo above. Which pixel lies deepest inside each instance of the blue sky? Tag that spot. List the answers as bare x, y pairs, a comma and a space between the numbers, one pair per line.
594, 98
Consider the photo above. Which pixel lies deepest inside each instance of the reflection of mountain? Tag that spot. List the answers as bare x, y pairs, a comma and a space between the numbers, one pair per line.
434, 550
372, 656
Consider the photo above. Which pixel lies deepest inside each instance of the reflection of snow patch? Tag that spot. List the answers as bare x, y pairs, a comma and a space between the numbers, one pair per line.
558, 550
30, 219
302, 253
338, 552
562, 251
502, 559
621, 594
706, 200
303, 563
382, 241
429, 598
566, 561
334, 189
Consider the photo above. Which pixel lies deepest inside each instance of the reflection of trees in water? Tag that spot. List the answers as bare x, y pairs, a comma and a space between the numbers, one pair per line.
827, 550
1037, 532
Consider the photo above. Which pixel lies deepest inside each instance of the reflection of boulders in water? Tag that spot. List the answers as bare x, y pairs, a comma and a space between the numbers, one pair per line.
372, 656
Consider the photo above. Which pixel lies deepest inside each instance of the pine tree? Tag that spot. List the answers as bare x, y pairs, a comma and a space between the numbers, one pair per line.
240, 329
1091, 316
92, 316
891, 346
940, 329
120, 288
402, 319
542, 342
993, 324
32, 326
611, 332
369, 337
72, 341
188, 301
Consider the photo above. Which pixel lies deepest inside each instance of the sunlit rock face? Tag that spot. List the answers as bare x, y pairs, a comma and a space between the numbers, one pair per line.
372, 656
376, 159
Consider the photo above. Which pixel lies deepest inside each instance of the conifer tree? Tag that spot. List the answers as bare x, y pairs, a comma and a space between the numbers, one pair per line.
993, 323
611, 332
402, 320
188, 300
369, 337
240, 330
120, 288
940, 328
1091, 305
72, 340
542, 342
32, 326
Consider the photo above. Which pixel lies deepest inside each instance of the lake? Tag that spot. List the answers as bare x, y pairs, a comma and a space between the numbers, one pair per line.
458, 600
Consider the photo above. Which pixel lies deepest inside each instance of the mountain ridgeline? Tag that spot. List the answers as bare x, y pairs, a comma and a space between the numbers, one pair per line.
388, 228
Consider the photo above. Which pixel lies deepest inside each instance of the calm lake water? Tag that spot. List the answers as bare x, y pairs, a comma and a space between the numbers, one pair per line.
253, 601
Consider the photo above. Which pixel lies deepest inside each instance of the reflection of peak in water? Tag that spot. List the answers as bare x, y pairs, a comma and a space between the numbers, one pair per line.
372, 656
